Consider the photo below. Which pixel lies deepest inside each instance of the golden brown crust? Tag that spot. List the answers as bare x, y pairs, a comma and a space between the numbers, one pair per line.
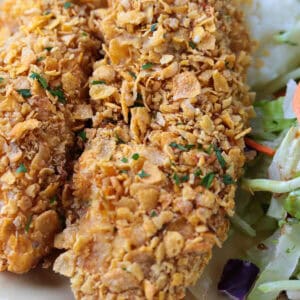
156, 179
44, 68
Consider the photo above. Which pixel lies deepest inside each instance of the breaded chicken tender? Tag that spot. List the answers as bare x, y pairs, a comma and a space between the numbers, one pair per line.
156, 182
44, 67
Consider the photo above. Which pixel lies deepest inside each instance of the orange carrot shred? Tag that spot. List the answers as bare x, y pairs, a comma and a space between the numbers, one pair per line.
259, 147
296, 103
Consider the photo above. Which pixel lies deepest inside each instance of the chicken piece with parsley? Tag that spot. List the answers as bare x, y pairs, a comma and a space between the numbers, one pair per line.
157, 180
44, 66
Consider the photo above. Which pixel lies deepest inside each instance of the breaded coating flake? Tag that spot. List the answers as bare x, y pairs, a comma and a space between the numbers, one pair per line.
44, 67
157, 178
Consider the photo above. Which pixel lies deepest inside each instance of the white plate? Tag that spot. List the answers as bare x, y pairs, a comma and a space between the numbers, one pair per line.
39, 284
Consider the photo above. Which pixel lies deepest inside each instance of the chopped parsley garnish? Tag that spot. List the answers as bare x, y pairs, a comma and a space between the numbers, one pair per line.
135, 156
47, 12
124, 269
1, 79
59, 93
132, 74
180, 179
197, 173
27, 226
143, 174
95, 82
147, 66
53, 200
192, 45
82, 135
220, 157
67, 5
40, 79
209, 149
208, 179
227, 179
25, 93
153, 214
123, 172
41, 58
124, 160
119, 140
48, 48
21, 169
153, 27
181, 147
84, 33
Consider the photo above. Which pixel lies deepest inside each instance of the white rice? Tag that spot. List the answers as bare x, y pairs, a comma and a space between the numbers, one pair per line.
267, 18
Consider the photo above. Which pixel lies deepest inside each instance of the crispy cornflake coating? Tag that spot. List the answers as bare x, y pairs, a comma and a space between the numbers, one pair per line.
44, 67
156, 182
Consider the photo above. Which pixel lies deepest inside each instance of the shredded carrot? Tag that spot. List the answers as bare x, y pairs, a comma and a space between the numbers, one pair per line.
259, 147
296, 103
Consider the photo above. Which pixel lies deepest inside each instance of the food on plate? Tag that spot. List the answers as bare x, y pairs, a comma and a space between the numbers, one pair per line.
44, 67
156, 183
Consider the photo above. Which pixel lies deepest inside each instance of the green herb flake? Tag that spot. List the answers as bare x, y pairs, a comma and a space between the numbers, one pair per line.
153, 27
119, 140
227, 179
48, 48
47, 12
59, 93
123, 172
143, 174
95, 82
53, 200
184, 178
207, 180
198, 172
1, 79
135, 156
40, 79
84, 34
82, 135
124, 269
29, 221
147, 66
209, 149
67, 5
21, 169
181, 147
192, 44
220, 157
176, 179
132, 74
41, 58
124, 160
153, 214
180, 179
25, 93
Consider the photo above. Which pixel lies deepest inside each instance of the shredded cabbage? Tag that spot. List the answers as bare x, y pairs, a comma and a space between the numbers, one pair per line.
288, 111
274, 186
277, 286
278, 261
270, 121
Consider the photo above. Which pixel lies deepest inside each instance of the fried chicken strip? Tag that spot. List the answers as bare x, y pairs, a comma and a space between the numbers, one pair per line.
44, 67
156, 182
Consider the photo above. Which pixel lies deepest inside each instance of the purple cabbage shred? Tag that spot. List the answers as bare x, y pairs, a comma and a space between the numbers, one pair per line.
237, 278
